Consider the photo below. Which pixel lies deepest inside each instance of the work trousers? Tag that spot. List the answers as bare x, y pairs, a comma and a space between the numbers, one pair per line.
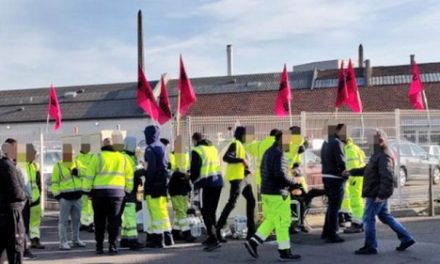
334, 189
107, 214
210, 199
13, 234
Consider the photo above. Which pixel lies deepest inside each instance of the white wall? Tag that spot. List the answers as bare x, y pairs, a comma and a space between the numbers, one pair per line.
30, 131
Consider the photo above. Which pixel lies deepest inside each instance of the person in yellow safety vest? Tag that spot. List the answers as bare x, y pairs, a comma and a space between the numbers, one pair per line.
82, 164
354, 159
237, 170
34, 175
257, 148
129, 234
156, 180
179, 188
67, 189
112, 180
205, 173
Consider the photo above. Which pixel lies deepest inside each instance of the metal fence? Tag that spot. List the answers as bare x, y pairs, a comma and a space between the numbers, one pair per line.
405, 127
408, 126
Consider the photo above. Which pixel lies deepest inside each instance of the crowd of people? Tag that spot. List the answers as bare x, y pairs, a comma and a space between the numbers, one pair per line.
103, 191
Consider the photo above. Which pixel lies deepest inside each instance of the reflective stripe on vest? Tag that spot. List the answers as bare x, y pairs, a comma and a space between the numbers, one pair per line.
235, 171
210, 162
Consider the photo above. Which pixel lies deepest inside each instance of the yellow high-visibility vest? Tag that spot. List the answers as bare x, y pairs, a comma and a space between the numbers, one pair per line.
179, 162
63, 181
354, 156
235, 171
211, 166
111, 170
32, 169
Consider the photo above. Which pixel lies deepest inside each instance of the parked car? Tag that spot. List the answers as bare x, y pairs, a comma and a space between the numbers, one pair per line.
433, 151
414, 162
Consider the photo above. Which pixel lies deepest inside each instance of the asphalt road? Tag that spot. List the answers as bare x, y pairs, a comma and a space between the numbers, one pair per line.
313, 250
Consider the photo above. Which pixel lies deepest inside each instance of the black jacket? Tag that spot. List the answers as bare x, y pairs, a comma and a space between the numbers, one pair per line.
12, 194
275, 172
332, 157
378, 175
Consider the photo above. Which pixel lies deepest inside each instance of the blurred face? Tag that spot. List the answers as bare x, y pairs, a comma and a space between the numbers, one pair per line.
85, 148
10, 151
285, 141
30, 153
67, 153
342, 134
249, 135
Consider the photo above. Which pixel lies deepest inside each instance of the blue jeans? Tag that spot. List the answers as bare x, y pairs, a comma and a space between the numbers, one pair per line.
373, 208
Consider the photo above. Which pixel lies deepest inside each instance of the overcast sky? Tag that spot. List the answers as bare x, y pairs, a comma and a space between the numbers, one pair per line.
72, 42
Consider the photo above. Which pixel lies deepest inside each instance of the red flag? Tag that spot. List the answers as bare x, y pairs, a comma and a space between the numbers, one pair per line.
187, 94
342, 94
145, 97
416, 89
164, 104
282, 103
353, 101
54, 109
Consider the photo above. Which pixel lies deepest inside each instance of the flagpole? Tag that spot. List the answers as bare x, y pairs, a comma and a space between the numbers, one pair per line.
290, 114
428, 113
362, 117
47, 124
178, 113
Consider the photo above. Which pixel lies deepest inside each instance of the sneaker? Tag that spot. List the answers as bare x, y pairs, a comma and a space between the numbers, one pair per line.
286, 255
252, 246
28, 254
366, 250
212, 246
353, 229
112, 249
65, 246
35, 243
404, 245
79, 243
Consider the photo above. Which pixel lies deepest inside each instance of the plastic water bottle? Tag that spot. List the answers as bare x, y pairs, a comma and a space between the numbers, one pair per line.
195, 225
240, 225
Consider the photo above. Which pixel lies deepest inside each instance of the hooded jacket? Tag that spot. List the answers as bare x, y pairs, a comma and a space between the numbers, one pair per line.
157, 173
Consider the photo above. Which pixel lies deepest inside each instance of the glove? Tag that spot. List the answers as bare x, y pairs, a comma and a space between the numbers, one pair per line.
75, 172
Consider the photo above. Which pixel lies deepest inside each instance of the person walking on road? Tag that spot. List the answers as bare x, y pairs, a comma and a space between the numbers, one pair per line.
237, 173
275, 185
378, 187
206, 176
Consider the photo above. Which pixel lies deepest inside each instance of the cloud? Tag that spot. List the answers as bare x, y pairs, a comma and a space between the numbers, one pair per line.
265, 34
